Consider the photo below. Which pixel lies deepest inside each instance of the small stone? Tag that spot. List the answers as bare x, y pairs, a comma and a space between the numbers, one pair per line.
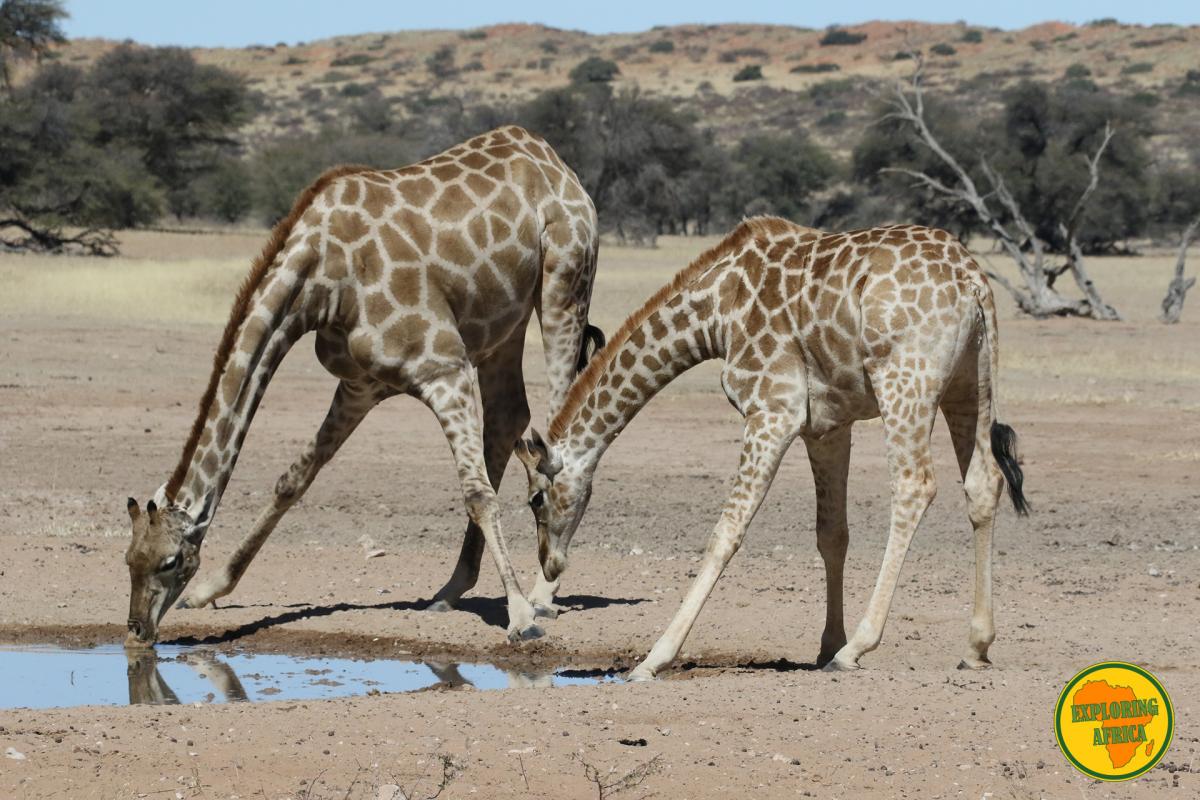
1154, 572
14, 754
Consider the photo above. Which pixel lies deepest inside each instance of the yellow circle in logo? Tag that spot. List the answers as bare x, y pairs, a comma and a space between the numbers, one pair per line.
1114, 721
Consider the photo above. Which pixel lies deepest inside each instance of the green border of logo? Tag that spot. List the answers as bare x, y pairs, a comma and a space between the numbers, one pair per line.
1162, 751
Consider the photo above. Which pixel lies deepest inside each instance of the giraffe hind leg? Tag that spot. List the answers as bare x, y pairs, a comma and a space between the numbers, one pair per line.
969, 417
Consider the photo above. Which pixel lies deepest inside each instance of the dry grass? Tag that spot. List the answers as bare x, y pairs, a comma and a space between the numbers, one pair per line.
187, 278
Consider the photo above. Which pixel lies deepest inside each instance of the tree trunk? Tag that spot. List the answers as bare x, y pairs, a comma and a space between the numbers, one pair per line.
1177, 289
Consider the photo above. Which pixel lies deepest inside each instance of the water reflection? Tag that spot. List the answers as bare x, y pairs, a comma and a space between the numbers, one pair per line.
284, 677
148, 687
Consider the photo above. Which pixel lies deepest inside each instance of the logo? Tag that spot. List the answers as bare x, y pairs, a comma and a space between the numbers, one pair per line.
1114, 721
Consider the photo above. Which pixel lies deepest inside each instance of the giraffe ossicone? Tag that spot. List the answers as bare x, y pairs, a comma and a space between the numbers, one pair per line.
816, 330
419, 281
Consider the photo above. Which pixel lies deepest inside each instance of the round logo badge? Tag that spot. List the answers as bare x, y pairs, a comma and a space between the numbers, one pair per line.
1114, 721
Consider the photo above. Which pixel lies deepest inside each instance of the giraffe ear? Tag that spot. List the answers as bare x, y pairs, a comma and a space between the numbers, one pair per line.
131, 506
525, 454
548, 463
152, 512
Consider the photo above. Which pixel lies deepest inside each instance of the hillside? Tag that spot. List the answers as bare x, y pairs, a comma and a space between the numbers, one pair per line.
827, 88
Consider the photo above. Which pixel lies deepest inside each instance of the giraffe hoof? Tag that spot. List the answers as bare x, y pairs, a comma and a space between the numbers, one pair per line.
530, 631
975, 663
841, 666
439, 606
548, 612
639, 675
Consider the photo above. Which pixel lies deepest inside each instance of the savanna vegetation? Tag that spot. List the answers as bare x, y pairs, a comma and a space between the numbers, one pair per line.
146, 136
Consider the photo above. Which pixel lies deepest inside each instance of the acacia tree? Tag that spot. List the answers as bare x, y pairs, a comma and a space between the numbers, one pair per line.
1038, 296
27, 29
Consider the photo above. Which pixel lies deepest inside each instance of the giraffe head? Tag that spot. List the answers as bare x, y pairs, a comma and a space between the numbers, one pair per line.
558, 495
162, 557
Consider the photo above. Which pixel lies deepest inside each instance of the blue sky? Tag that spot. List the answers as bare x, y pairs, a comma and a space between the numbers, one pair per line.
230, 23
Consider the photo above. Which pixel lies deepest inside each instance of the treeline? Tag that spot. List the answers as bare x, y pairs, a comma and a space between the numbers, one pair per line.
147, 134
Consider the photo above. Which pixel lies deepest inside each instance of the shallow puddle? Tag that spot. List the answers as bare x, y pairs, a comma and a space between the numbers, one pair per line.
52, 677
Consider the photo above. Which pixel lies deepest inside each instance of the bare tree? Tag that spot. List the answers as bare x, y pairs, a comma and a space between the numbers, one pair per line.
1038, 297
1177, 289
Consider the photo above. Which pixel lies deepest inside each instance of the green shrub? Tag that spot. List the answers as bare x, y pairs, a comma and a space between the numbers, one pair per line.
474, 35
809, 69
750, 72
335, 76
973, 36
594, 70
1137, 69
352, 60
1077, 71
840, 36
662, 46
943, 49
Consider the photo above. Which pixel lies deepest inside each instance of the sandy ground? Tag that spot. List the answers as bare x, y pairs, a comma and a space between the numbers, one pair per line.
100, 367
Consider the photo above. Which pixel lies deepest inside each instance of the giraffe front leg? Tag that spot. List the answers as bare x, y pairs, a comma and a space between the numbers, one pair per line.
350, 405
764, 441
451, 398
542, 597
505, 417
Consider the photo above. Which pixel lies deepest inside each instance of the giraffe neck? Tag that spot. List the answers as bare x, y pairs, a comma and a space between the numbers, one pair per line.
274, 321
672, 338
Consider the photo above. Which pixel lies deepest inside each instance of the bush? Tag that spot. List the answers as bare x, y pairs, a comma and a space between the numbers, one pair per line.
1077, 72
1137, 68
226, 193
972, 36
353, 60
943, 49
750, 72
840, 36
662, 46
355, 90
441, 63
594, 70
732, 56
475, 35
808, 69
335, 76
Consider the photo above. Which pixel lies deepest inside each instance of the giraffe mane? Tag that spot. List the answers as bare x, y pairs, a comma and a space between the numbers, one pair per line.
586, 381
241, 307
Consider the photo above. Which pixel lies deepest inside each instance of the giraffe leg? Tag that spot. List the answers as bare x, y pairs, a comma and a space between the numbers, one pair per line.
829, 458
907, 423
983, 484
765, 440
505, 417
562, 308
350, 405
451, 398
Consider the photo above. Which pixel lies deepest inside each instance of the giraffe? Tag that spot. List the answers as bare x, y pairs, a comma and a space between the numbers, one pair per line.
817, 330
413, 279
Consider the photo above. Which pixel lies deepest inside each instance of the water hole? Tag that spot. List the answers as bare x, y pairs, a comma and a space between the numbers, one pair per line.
56, 677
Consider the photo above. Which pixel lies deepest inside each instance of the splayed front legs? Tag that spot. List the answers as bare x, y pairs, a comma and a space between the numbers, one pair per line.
765, 439
350, 405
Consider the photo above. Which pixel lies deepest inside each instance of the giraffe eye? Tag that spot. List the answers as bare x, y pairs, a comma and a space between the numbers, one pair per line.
169, 563
538, 500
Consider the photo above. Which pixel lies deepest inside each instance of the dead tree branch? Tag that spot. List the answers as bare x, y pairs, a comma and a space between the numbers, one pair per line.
1038, 298
1177, 289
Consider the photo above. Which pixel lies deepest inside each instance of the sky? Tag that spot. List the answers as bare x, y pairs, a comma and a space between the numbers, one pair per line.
236, 23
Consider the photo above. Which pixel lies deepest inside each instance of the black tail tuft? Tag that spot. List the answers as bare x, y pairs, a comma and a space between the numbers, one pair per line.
1004, 450
589, 344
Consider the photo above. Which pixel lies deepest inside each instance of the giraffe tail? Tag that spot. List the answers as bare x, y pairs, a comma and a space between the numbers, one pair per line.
1003, 437
590, 343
